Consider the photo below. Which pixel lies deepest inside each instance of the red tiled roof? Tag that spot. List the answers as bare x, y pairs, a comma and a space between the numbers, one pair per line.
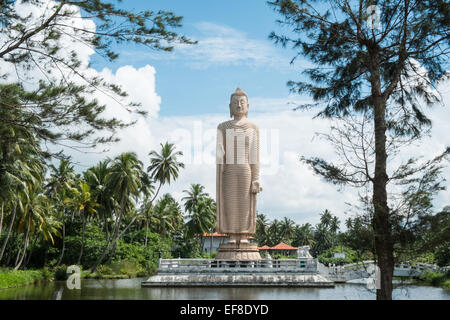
265, 247
283, 246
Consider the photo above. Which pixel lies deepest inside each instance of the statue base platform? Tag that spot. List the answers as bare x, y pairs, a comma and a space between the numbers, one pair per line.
238, 251
300, 272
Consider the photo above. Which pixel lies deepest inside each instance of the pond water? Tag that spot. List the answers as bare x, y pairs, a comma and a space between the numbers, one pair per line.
125, 289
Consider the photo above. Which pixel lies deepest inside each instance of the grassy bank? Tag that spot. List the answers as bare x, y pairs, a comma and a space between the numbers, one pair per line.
18, 278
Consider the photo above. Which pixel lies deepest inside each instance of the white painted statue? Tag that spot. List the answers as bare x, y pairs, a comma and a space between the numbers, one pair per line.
237, 158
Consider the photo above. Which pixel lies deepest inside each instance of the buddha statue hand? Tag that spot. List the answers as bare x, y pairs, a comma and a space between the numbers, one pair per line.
255, 187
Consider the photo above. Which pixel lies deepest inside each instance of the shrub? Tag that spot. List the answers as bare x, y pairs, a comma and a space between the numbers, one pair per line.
60, 272
433, 278
103, 270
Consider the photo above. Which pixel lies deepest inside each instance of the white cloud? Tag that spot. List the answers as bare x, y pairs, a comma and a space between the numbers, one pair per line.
223, 45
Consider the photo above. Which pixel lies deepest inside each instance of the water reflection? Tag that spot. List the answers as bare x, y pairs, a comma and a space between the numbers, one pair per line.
131, 289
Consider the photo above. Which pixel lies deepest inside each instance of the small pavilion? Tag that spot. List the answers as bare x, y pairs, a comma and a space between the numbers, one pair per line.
281, 248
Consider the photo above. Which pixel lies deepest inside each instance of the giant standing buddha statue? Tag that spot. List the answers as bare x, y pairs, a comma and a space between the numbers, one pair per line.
237, 181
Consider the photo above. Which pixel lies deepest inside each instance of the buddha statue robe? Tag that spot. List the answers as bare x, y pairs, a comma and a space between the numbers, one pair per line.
237, 158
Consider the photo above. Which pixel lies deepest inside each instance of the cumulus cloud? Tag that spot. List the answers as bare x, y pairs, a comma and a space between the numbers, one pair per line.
221, 45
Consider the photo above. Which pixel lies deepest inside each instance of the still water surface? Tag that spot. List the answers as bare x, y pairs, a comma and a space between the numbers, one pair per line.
124, 289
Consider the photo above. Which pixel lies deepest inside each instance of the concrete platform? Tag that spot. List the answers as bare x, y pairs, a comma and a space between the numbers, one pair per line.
232, 273
238, 280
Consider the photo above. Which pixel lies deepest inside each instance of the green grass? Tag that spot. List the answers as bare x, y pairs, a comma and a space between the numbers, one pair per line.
17, 278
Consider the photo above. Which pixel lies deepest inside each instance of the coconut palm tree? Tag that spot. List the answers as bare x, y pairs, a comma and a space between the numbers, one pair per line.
326, 217
201, 214
323, 239
60, 177
274, 232
124, 183
60, 181
166, 216
304, 235
194, 195
36, 219
83, 203
95, 177
334, 224
164, 167
261, 229
287, 229
16, 178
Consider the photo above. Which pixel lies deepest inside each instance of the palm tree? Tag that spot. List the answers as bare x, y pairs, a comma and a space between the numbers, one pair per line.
261, 229
323, 239
82, 202
304, 235
36, 219
326, 218
95, 177
60, 180
287, 229
124, 183
164, 166
20, 161
274, 232
201, 212
334, 224
16, 178
194, 196
60, 177
166, 216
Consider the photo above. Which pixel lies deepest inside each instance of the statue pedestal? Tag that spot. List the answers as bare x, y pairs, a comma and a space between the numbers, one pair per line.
238, 251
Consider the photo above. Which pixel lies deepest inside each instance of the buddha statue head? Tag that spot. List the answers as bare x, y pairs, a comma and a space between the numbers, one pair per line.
239, 104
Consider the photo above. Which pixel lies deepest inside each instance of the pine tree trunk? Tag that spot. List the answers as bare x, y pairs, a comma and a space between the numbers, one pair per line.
381, 224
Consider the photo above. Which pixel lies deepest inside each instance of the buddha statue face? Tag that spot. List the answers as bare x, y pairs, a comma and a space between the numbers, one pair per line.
239, 105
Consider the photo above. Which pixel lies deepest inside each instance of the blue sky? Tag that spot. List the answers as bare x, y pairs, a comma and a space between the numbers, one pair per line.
191, 76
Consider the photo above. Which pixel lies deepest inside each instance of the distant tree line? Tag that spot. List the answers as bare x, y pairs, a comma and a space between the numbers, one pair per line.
428, 241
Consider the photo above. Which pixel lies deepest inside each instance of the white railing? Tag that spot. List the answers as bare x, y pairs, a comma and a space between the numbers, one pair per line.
366, 268
299, 264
